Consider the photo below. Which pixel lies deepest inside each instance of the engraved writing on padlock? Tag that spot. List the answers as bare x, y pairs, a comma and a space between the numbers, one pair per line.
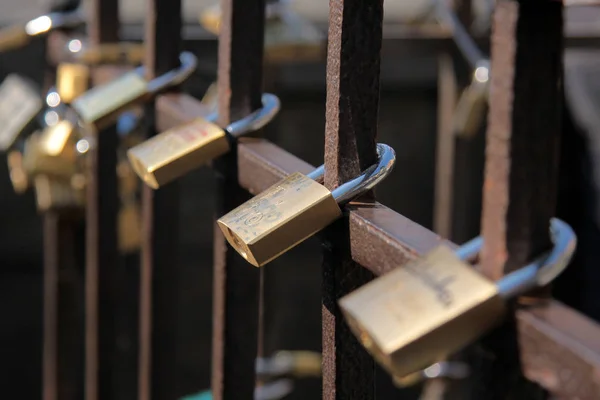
294, 209
177, 151
20, 104
472, 104
72, 80
426, 310
101, 105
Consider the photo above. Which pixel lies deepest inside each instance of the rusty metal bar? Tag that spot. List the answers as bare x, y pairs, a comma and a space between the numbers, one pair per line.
101, 231
159, 277
236, 290
352, 107
521, 174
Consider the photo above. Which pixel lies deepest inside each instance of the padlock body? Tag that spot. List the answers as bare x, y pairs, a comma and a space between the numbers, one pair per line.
470, 110
422, 312
72, 81
56, 195
19, 106
177, 151
279, 218
39, 157
101, 105
18, 177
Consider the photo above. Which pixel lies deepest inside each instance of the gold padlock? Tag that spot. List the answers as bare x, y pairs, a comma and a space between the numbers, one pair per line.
20, 105
294, 209
470, 110
51, 152
179, 150
56, 195
72, 80
18, 176
101, 105
426, 310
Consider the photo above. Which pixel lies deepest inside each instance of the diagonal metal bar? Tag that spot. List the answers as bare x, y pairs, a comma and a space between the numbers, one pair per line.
236, 290
101, 234
353, 60
159, 273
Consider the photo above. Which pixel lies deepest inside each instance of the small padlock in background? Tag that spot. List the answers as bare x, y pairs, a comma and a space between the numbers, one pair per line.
469, 115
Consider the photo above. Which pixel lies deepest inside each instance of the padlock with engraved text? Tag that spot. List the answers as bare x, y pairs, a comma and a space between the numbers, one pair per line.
426, 310
177, 151
20, 108
100, 106
294, 209
472, 104
16, 36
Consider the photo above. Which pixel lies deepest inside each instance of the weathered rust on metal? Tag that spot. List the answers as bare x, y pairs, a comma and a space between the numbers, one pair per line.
101, 232
353, 63
521, 174
236, 290
159, 276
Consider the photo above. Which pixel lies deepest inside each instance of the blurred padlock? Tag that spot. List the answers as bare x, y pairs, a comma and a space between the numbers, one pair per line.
469, 115
20, 105
53, 194
51, 152
107, 53
18, 177
72, 80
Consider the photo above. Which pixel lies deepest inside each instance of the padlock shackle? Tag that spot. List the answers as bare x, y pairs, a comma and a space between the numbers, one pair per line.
55, 20
368, 179
541, 271
173, 77
255, 120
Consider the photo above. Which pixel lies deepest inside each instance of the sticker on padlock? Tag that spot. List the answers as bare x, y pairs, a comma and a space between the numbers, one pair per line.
127, 53
177, 151
56, 195
20, 105
294, 209
472, 104
101, 105
16, 36
72, 80
430, 308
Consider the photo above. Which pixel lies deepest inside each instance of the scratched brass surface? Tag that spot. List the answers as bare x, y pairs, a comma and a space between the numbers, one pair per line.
420, 313
279, 218
100, 105
175, 152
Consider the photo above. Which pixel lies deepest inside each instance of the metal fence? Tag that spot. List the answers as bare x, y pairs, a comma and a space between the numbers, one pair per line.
544, 346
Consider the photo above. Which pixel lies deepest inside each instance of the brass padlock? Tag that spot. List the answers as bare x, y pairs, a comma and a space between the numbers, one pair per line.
18, 176
72, 80
100, 106
472, 104
51, 152
16, 36
20, 105
426, 310
56, 195
294, 209
177, 151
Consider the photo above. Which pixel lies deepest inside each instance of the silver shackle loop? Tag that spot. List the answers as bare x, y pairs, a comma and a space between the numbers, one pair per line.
175, 76
56, 20
257, 119
366, 181
541, 271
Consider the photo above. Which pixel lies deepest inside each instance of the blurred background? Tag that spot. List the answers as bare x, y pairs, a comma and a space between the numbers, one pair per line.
420, 68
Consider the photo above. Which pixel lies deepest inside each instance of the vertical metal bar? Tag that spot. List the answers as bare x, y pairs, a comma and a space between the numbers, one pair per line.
521, 167
444, 175
101, 233
353, 68
160, 228
236, 284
